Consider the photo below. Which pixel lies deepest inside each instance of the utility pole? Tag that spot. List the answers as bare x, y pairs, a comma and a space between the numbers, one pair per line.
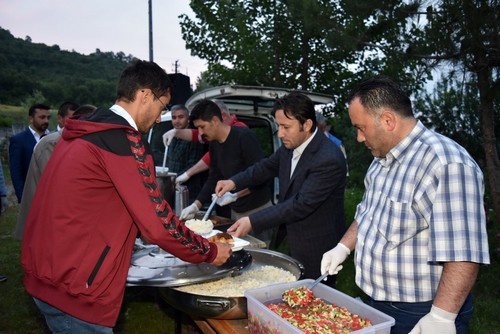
150, 30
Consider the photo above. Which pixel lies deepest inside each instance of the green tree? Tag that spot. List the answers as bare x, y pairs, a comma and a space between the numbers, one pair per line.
464, 35
423, 35
34, 98
451, 109
319, 45
270, 43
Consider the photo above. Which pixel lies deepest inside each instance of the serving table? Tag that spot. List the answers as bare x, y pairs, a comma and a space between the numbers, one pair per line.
254, 242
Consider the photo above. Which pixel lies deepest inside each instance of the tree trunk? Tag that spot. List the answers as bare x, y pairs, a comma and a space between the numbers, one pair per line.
489, 139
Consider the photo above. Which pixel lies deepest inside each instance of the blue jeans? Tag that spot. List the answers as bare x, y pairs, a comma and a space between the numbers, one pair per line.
63, 323
408, 314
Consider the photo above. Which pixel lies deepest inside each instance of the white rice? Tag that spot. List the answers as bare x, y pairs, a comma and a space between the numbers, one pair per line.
200, 226
236, 286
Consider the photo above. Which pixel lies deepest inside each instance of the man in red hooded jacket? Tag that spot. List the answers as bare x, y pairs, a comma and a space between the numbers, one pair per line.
98, 191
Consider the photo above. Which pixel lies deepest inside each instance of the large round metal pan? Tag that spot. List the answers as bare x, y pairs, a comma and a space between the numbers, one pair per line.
229, 307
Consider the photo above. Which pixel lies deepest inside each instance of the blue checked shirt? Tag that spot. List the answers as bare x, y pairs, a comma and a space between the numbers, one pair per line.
423, 205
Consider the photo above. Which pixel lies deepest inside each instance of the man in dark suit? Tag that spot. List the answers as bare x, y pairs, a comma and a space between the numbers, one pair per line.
312, 177
22, 144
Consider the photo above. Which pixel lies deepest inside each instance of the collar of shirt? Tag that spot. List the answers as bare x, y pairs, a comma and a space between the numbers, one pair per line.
123, 113
398, 151
297, 152
36, 135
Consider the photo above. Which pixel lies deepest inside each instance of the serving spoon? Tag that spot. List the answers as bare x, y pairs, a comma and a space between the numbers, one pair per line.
165, 160
319, 279
207, 214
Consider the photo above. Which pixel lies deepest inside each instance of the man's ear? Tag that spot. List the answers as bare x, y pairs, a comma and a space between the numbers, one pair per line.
215, 120
142, 95
308, 125
388, 120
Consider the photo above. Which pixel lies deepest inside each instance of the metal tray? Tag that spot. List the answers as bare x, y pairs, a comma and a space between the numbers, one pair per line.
155, 267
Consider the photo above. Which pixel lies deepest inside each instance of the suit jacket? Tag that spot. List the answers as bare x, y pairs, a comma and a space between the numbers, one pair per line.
311, 202
41, 155
20, 151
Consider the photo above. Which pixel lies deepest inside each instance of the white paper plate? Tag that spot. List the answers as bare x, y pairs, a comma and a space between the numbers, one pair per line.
237, 245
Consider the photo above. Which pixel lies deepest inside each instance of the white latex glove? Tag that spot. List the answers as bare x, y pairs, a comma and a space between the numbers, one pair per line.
189, 212
437, 321
5, 203
168, 136
182, 178
226, 199
332, 260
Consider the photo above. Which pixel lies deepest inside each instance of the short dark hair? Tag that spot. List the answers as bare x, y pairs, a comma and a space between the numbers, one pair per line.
31, 111
381, 92
140, 74
205, 110
85, 109
66, 107
222, 106
298, 106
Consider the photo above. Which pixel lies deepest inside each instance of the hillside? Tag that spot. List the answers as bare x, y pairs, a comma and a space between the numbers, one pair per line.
59, 75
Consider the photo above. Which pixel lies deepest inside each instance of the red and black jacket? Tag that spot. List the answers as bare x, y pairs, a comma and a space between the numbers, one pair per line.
97, 192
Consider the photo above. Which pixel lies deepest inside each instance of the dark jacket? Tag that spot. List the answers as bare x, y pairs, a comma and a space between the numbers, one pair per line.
96, 193
311, 203
240, 150
20, 151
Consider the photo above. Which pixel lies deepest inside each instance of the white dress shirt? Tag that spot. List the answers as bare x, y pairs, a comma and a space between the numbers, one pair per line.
297, 152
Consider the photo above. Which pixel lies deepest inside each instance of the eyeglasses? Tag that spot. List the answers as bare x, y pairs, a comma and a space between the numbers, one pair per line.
165, 109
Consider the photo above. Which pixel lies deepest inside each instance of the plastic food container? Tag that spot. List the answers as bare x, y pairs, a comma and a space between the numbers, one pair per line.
262, 320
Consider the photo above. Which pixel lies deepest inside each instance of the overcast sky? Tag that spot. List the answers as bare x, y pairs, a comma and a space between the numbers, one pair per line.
108, 25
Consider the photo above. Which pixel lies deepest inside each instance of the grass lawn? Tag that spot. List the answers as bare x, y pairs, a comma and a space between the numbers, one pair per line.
144, 312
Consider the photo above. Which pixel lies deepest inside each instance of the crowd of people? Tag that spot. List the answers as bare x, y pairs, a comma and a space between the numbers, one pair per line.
88, 189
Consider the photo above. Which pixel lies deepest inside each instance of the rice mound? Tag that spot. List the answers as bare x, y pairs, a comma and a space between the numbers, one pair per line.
199, 226
236, 286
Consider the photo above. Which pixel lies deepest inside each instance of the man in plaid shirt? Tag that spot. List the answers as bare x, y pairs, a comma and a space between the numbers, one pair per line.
419, 233
183, 154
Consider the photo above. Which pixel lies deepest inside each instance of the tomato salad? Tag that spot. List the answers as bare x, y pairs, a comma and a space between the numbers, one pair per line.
313, 315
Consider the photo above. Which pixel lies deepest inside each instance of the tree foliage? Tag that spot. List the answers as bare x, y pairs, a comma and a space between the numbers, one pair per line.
452, 110
319, 45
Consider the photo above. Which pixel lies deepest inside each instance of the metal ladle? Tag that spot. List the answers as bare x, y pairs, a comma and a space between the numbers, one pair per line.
319, 279
210, 208
165, 160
